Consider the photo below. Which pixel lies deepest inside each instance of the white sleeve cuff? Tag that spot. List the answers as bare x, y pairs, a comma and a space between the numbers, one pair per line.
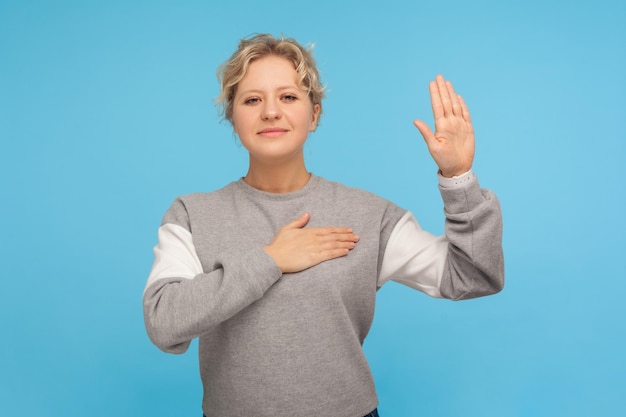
456, 181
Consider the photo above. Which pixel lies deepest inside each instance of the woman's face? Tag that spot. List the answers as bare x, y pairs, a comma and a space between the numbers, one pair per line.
272, 115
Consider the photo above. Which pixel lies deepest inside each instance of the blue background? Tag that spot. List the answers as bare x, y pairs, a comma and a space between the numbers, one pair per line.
106, 115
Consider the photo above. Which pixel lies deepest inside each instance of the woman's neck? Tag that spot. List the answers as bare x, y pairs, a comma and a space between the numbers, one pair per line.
279, 179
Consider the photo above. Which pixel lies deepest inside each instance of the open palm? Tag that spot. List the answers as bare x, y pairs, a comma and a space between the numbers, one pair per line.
452, 145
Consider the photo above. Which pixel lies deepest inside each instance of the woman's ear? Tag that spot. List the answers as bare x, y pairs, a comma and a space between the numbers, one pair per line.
316, 115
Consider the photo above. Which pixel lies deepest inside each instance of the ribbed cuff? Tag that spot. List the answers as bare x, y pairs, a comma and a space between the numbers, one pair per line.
455, 181
462, 197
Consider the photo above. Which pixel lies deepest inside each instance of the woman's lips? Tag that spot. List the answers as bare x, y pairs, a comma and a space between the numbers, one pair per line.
272, 132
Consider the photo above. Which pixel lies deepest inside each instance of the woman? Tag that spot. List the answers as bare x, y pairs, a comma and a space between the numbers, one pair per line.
277, 273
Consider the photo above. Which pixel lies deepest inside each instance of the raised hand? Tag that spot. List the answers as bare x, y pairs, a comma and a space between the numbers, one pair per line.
295, 249
452, 144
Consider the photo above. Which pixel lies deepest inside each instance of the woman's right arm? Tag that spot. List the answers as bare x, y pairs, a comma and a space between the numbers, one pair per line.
181, 302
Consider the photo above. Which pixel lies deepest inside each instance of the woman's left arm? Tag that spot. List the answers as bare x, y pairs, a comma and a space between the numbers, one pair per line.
468, 261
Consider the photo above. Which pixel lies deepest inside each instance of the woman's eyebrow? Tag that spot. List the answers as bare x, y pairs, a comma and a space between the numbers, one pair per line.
282, 88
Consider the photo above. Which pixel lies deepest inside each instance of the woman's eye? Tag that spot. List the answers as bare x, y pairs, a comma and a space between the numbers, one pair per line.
289, 97
252, 100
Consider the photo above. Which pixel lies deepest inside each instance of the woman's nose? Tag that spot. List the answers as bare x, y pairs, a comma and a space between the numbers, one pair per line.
271, 111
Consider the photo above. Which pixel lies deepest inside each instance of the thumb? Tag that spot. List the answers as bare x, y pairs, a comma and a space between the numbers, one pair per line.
427, 134
299, 223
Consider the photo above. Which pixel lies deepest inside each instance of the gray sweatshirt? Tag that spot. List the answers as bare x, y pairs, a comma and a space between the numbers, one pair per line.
291, 345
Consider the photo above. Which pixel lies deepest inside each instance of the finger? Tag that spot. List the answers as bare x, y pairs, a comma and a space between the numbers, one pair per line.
342, 237
298, 223
445, 96
335, 252
349, 245
435, 100
454, 100
465, 110
321, 231
427, 134
331, 237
